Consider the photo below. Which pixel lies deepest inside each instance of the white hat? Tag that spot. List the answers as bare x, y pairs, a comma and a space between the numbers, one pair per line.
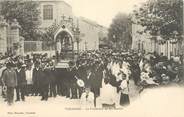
24, 65
4, 88
80, 83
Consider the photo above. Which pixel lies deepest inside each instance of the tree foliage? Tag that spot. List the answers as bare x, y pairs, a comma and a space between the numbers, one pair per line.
163, 17
27, 14
120, 31
48, 35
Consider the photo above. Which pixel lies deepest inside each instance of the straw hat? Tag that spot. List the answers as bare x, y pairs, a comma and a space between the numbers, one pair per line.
80, 83
4, 88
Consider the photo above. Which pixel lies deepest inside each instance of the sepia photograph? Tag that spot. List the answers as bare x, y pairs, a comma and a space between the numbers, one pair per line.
96, 58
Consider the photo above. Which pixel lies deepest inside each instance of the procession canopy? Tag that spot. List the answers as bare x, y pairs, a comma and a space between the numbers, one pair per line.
64, 43
62, 29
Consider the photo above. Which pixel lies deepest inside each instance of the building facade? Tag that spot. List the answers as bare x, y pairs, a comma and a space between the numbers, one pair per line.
60, 13
142, 41
53, 11
149, 44
90, 34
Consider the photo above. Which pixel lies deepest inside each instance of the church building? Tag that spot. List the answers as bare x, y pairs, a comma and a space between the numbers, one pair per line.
60, 13
84, 33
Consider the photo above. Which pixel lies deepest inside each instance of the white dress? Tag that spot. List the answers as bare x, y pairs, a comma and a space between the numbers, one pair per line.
58, 47
108, 94
29, 77
87, 101
124, 87
126, 70
141, 65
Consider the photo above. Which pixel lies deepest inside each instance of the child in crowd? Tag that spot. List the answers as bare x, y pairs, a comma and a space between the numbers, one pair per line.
87, 98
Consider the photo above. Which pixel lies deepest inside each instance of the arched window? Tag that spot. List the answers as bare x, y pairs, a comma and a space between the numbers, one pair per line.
48, 12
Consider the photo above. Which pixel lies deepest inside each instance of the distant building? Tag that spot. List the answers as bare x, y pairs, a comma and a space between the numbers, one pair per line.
92, 33
148, 43
141, 41
145, 42
103, 38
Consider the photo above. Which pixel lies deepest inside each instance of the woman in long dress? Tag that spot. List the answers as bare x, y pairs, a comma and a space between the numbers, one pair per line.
124, 98
108, 93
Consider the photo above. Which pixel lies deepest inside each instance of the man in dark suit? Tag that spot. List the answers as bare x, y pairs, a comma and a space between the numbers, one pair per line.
71, 81
52, 77
44, 82
136, 72
98, 81
21, 82
81, 74
91, 82
35, 77
9, 79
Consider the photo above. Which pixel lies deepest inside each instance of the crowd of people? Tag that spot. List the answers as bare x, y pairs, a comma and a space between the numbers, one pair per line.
102, 75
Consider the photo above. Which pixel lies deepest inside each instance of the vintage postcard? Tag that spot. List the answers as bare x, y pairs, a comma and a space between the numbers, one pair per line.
65, 58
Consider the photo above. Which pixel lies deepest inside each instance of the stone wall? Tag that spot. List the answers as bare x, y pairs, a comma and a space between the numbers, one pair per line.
3, 36
10, 40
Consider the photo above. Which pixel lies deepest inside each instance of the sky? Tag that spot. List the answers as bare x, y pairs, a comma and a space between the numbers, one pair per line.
102, 11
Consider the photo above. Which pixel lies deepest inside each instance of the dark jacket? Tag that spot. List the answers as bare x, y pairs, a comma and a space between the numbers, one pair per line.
10, 78
52, 75
91, 81
82, 73
21, 77
43, 78
36, 75
98, 76
71, 75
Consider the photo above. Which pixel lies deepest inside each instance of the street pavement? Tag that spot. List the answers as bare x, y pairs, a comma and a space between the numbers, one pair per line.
157, 102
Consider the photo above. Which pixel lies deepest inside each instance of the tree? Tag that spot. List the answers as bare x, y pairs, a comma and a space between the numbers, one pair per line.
161, 17
120, 31
48, 35
26, 13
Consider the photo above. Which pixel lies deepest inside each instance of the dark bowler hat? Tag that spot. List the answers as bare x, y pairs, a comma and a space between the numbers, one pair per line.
37, 63
19, 65
9, 64
71, 63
